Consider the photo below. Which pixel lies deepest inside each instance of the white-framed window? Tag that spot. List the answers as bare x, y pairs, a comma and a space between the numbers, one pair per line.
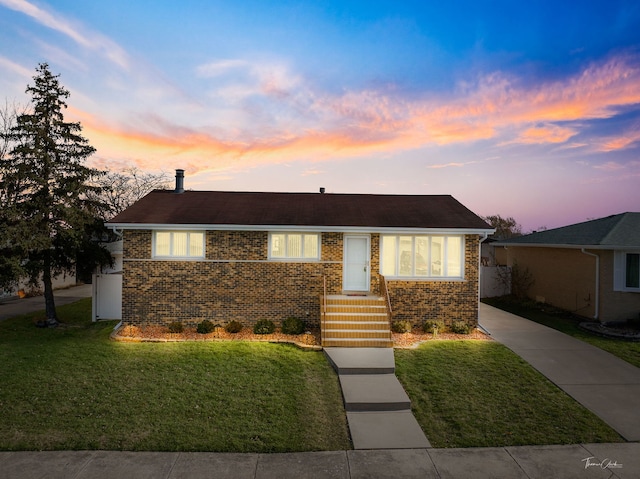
627, 271
178, 244
297, 246
422, 257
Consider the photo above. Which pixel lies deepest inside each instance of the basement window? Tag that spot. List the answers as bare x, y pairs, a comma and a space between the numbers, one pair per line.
178, 244
296, 246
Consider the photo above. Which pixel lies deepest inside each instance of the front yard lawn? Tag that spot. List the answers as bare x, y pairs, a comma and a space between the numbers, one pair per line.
480, 394
73, 388
567, 323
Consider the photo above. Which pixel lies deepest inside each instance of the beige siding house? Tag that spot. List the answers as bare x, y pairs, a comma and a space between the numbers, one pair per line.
590, 268
221, 256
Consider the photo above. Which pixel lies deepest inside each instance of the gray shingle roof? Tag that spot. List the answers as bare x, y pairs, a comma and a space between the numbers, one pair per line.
617, 231
164, 207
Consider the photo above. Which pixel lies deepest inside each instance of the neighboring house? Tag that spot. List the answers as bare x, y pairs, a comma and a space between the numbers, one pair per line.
194, 255
590, 268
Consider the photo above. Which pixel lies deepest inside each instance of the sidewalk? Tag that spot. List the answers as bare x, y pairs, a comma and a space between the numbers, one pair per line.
606, 385
14, 307
528, 462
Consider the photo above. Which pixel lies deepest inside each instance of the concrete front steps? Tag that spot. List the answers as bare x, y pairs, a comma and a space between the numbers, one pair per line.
356, 321
378, 409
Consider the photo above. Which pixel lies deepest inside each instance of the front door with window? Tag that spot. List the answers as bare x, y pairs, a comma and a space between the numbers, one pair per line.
356, 274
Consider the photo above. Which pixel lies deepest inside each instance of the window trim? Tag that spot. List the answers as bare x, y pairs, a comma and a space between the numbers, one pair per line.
429, 277
620, 272
297, 259
171, 242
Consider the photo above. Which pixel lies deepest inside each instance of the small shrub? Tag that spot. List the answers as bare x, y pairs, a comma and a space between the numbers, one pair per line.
460, 327
205, 327
233, 327
433, 327
401, 326
264, 326
292, 325
175, 327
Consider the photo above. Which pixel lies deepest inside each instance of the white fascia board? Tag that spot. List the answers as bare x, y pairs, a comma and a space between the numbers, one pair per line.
310, 229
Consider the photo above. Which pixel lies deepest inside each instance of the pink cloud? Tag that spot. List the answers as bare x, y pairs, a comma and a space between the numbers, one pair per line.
296, 121
621, 142
610, 166
545, 134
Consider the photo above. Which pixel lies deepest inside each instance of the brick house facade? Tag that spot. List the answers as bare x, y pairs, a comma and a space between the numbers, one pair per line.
236, 280
222, 256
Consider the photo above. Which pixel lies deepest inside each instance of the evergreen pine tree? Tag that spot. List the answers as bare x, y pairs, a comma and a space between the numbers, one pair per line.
51, 212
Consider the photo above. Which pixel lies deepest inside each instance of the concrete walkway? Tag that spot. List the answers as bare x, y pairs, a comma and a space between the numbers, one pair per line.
603, 383
15, 307
528, 462
378, 409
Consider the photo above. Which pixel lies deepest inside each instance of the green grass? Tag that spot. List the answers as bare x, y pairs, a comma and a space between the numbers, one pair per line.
562, 321
480, 394
73, 388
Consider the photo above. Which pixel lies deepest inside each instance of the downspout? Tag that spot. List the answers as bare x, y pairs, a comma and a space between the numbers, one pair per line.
595, 316
484, 237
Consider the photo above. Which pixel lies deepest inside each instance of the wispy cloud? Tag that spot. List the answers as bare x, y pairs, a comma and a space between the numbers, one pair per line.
264, 112
7, 64
610, 166
90, 40
548, 133
622, 141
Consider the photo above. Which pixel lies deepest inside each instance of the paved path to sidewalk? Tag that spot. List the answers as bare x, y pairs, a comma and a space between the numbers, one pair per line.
526, 462
15, 307
378, 409
603, 383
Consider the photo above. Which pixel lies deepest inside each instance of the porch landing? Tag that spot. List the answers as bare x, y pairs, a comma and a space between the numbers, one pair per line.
378, 409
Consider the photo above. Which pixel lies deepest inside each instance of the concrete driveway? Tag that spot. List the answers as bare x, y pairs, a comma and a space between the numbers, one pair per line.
603, 383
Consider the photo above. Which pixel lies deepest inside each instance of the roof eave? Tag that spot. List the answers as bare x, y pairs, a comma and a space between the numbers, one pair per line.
319, 229
568, 246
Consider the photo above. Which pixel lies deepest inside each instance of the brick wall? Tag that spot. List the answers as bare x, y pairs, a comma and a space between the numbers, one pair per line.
234, 282
237, 282
447, 301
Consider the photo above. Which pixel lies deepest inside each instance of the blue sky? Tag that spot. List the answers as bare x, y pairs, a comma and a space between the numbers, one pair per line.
530, 110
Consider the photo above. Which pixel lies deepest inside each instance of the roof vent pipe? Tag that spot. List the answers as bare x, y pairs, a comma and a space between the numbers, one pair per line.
321, 190
179, 181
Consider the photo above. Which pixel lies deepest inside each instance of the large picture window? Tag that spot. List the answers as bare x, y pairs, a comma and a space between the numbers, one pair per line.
422, 256
301, 246
178, 244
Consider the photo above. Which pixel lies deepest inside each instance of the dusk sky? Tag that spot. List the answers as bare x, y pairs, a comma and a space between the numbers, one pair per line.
524, 109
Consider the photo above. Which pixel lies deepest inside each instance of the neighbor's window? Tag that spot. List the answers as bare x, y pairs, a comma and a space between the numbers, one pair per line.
626, 271
632, 271
422, 256
178, 244
303, 246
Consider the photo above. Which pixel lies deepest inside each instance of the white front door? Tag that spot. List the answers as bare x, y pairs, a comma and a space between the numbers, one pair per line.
356, 263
